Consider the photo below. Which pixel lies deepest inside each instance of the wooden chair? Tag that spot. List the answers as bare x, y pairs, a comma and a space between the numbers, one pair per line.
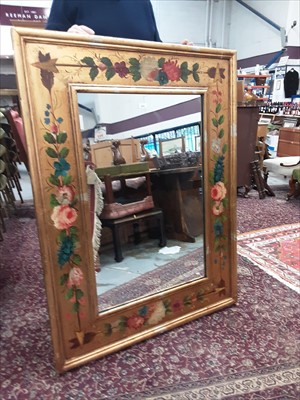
17, 132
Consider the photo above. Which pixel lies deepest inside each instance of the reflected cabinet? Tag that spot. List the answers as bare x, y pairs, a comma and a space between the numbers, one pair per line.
197, 203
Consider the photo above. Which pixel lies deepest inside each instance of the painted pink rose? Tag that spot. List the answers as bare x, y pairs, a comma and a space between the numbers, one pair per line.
75, 277
172, 70
135, 322
218, 208
65, 194
218, 191
63, 216
54, 128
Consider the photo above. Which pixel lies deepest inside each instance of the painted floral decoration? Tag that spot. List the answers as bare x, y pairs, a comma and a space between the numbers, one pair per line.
162, 70
153, 314
218, 190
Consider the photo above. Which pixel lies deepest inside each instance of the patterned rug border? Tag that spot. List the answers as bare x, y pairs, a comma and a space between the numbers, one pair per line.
216, 388
279, 270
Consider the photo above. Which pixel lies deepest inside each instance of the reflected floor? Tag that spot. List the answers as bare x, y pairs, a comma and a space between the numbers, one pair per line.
138, 260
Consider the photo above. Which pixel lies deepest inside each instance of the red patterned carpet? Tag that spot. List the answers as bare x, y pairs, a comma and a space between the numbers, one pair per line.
276, 251
249, 351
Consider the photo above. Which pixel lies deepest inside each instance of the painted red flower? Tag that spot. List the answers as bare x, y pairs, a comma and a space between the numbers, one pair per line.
218, 191
172, 70
135, 322
63, 216
54, 128
121, 69
218, 208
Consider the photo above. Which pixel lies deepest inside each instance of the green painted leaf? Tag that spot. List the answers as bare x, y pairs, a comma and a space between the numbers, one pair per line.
69, 294
76, 259
63, 279
76, 307
107, 329
67, 179
184, 76
106, 61
161, 62
215, 122
73, 230
136, 76
195, 67
62, 235
211, 178
134, 62
196, 76
53, 200
49, 138
221, 133
110, 73
51, 152
54, 180
62, 137
184, 66
79, 294
224, 148
218, 108
64, 152
221, 119
94, 71
88, 61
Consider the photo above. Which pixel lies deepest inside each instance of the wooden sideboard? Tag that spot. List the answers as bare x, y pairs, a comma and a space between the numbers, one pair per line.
289, 142
247, 122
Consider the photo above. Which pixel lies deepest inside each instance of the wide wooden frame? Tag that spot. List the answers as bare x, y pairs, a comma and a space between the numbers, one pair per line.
50, 67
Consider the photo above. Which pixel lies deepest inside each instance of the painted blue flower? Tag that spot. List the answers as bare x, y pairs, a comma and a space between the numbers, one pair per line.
66, 250
143, 311
218, 228
59, 120
162, 78
47, 121
61, 167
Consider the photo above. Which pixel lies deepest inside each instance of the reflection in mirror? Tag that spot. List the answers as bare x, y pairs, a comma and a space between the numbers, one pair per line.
145, 149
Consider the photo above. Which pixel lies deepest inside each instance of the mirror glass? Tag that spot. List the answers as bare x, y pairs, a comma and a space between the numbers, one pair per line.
159, 138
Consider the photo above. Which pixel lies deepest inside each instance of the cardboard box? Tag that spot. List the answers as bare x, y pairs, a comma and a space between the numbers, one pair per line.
262, 130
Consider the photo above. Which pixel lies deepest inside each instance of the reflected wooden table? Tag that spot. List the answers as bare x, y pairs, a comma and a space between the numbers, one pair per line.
178, 193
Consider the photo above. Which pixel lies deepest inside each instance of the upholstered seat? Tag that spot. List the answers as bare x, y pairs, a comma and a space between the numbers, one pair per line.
289, 167
282, 165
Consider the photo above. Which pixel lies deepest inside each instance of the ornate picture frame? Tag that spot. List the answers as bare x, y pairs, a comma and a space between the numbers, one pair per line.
50, 66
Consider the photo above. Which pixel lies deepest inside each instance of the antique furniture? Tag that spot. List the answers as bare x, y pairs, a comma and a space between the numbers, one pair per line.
177, 192
52, 69
115, 224
287, 167
247, 119
102, 155
289, 142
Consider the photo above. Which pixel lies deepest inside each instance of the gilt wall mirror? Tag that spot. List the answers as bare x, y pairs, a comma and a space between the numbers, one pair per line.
55, 71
